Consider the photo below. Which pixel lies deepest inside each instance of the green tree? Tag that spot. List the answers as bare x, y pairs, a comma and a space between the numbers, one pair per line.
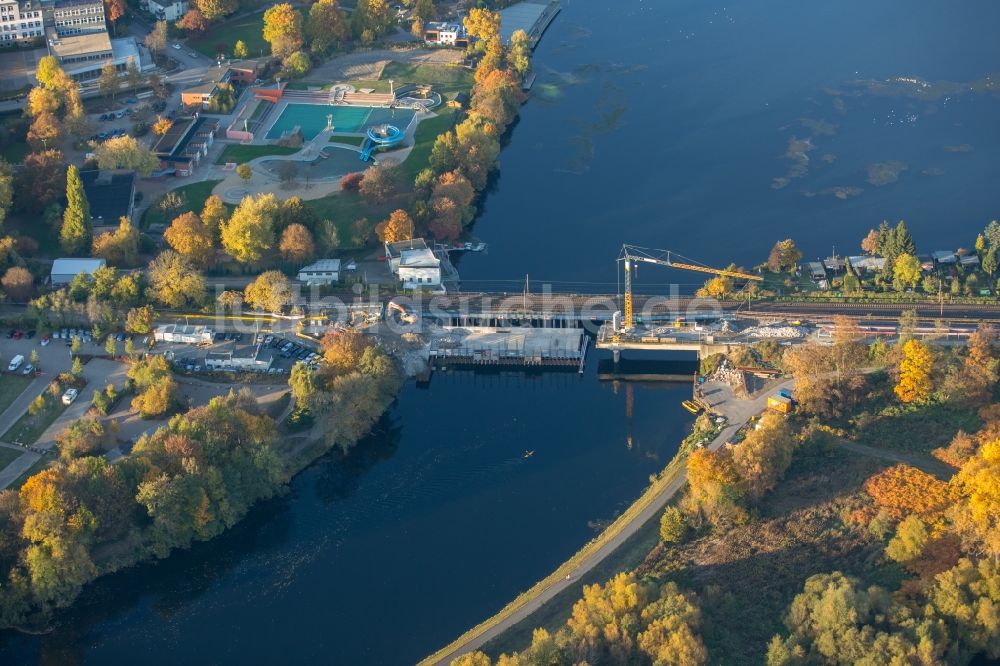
76, 369
910, 540
673, 526
327, 26
75, 233
244, 172
133, 74
784, 256
519, 53
125, 152
111, 346
296, 66
240, 50
6, 189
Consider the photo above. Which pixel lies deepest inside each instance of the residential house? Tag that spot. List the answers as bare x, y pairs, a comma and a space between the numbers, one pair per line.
167, 10
419, 269
446, 34
254, 358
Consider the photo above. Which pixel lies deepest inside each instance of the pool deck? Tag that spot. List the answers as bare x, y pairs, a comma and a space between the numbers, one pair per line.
232, 189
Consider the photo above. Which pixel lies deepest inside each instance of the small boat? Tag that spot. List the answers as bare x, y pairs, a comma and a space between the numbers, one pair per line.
528, 454
691, 406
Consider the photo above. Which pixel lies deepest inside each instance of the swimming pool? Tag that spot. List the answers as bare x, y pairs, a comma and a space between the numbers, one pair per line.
311, 119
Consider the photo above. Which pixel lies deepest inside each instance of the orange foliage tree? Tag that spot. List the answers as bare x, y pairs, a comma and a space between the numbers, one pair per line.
902, 490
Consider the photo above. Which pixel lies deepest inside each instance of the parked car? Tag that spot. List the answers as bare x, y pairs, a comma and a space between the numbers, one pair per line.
18, 335
268, 340
131, 100
30, 335
45, 341
28, 369
69, 396
176, 46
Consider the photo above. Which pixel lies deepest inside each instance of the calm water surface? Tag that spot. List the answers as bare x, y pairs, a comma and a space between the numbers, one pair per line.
709, 128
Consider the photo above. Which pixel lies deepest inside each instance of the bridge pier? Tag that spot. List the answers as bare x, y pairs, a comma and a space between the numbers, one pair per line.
616, 354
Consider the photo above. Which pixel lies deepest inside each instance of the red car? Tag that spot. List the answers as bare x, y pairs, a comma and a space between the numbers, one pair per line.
18, 335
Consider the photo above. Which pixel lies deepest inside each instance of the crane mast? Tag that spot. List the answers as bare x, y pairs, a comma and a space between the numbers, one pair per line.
632, 254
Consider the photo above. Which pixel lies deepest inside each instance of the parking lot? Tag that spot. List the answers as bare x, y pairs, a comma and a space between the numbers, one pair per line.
284, 352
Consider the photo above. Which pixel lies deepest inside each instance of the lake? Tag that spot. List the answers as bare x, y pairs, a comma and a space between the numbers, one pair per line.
706, 128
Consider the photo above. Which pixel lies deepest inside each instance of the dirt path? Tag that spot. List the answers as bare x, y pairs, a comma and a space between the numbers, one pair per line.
738, 412
921, 462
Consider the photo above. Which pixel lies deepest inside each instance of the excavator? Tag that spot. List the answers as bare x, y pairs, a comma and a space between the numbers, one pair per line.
632, 255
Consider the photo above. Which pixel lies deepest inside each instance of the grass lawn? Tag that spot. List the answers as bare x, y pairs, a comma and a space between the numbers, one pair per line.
423, 141
444, 78
195, 195
29, 428
7, 456
39, 465
11, 386
344, 208
240, 154
344, 138
248, 28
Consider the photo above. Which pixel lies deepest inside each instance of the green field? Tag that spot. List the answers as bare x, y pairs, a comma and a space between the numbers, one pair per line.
29, 428
423, 142
195, 195
248, 28
240, 154
11, 386
444, 78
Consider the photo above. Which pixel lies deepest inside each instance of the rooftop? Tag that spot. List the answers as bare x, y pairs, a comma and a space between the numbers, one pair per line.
395, 249
109, 195
323, 265
418, 258
445, 26
74, 46
59, 4
174, 143
66, 266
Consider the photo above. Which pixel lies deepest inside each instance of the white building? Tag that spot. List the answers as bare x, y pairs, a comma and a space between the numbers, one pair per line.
419, 269
165, 10
64, 270
446, 34
324, 271
21, 20
75, 17
188, 334
83, 55
252, 359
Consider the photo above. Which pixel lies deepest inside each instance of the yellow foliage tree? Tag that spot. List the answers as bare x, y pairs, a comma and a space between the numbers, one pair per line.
915, 367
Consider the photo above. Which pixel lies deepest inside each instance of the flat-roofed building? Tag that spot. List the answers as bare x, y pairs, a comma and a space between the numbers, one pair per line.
249, 359
187, 334
65, 269
82, 56
74, 17
185, 144
21, 20
446, 34
324, 271
111, 195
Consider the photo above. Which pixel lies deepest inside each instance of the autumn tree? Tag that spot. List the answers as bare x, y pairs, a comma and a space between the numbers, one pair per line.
192, 238
981, 366
107, 82
271, 292
379, 183
906, 272
154, 386
240, 49
497, 98
249, 233
41, 180
482, 24
343, 349
519, 53
296, 244
370, 19
213, 214
915, 369
213, 10
762, 458
283, 29
74, 235
156, 40
245, 172
193, 22
140, 320
327, 27
719, 286
902, 490
125, 152
162, 125
18, 283
909, 541
6, 189
174, 281
398, 227
869, 244
715, 489
45, 131
119, 247
784, 256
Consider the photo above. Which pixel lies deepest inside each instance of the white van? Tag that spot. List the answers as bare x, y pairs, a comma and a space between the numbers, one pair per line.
15, 363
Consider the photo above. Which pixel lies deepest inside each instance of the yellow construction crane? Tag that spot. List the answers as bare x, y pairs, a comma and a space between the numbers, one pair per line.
631, 254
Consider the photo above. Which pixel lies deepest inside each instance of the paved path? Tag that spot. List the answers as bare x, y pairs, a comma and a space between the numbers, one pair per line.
13, 471
738, 412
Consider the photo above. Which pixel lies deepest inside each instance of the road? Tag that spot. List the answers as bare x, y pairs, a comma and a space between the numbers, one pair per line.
737, 411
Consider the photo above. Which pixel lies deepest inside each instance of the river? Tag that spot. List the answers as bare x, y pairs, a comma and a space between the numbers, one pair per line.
707, 128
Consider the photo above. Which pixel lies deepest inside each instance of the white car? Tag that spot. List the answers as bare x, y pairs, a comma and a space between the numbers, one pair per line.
69, 396
28, 369
176, 46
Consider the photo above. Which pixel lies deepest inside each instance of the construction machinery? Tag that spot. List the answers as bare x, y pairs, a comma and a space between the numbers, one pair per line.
632, 255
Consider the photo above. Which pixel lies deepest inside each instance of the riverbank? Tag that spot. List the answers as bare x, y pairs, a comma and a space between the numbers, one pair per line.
630, 522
